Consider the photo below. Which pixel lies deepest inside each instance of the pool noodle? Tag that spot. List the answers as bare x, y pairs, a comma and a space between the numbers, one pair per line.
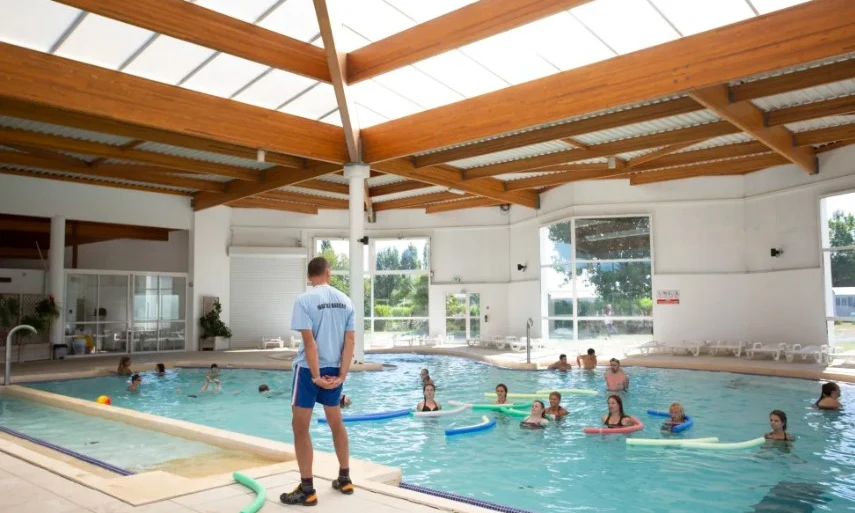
486, 424
517, 396
492, 407
679, 428
515, 413
656, 442
372, 416
255, 486
734, 445
440, 413
638, 426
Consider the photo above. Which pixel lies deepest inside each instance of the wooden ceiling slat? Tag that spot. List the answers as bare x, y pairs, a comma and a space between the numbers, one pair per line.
452, 206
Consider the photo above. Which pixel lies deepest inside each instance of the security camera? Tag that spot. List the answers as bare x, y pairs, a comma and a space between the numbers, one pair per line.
364, 240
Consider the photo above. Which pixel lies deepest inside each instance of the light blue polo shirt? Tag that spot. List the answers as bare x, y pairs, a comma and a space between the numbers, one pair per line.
329, 314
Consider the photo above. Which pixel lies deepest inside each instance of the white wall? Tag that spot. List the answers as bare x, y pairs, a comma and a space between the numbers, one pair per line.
209, 266
24, 281
135, 255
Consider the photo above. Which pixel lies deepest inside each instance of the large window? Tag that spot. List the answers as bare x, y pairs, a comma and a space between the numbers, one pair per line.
838, 250
463, 315
396, 284
596, 279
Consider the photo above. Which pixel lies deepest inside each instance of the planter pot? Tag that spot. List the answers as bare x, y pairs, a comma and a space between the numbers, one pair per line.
214, 344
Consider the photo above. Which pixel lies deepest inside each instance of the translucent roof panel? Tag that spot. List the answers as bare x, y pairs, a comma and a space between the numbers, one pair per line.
333, 118
368, 117
421, 12
383, 101
35, 24
103, 42
767, 6
513, 154
563, 42
373, 19
245, 10
168, 60
461, 73
692, 17
506, 57
294, 18
626, 25
419, 87
274, 89
224, 75
315, 103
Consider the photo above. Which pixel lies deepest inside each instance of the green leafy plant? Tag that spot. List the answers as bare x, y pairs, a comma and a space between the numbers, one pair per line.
212, 325
10, 309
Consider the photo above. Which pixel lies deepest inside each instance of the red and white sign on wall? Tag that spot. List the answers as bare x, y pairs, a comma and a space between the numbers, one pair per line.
667, 297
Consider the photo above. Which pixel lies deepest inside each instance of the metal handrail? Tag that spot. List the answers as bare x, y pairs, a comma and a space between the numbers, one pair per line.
528, 324
7, 376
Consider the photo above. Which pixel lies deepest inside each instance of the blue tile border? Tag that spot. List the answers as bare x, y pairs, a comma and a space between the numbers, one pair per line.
460, 498
68, 452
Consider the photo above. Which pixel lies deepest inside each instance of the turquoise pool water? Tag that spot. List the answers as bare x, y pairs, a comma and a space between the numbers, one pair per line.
117, 443
558, 469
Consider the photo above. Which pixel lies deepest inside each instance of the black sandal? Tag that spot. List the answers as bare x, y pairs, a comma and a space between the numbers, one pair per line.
300, 496
344, 485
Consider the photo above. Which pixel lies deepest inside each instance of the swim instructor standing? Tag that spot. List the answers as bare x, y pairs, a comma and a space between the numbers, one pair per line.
324, 317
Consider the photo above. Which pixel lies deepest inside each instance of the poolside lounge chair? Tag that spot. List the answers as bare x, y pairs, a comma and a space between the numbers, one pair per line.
693, 347
653, 346
816, 352
267, 342
759, 348
724, 346
835, 353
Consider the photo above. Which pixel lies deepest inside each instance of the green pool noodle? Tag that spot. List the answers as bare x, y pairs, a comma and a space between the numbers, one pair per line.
252, 484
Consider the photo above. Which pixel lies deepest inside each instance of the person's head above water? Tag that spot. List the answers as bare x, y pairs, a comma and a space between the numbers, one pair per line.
318, 271
676, 412
428, 390
562, 358
554, 399
263, 388
830, 389
591, 352
616, 405
160, 368
537, 409
614, 364
136, 378
778, 420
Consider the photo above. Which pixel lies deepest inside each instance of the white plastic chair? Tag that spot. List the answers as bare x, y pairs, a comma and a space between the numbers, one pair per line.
816, 352
723, 346
759, 348
267, 342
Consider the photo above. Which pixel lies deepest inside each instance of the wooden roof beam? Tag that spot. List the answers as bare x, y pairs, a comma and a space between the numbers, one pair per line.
820, 109
94, 181
393, 188
86, 229
318, 201
825, 135
794, 81
739, 166
416, 201
324, 186
470, 23
36, 77
450, 206
298, 208
205, 27
564, 177
808, 32
269, 180
750, 119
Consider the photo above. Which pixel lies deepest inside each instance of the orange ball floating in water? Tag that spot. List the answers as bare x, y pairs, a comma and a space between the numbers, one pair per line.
104, 399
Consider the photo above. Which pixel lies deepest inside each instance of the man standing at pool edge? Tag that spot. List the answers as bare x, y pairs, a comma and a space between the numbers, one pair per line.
324, 318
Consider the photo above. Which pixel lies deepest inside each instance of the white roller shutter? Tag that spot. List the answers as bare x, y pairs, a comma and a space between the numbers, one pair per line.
263, 290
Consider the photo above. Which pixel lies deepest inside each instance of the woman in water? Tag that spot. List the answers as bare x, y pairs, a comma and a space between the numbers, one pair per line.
136, 381
555, 409
159, 370
428, 403
537, 418
501, 394
830, 397
616, 418
124, 368
778, 422
678, 416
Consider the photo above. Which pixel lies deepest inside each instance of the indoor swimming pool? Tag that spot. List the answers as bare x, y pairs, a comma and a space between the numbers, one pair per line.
557, 469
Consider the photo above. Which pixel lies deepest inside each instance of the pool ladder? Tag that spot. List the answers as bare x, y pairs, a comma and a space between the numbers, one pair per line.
7, 376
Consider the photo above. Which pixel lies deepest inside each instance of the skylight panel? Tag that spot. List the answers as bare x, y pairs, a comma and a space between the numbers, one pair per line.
274, 89
422, 11
419, 87
346, 40
245, 10
702, 15
314, 103
767, 6
367, 117
103, 42
373, 19
168, 60
461, 73
508, 56
224, 75
564, 42
382, 100
294, 18
625, 25
35, 24
334, 118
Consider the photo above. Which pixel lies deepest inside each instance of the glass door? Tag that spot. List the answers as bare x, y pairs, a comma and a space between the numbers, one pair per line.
159, 313
96, 313
463, 315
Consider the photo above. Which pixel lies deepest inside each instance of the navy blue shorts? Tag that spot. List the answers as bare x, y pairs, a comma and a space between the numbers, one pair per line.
305, 394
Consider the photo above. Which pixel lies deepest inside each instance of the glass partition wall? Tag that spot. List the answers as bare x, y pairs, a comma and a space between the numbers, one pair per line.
105, 311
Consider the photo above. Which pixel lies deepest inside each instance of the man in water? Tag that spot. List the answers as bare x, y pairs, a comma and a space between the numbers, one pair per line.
589, 361
616, 378
324, 318
561, 364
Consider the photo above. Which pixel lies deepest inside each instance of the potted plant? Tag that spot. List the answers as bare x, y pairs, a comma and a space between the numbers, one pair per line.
41, 319
214, 330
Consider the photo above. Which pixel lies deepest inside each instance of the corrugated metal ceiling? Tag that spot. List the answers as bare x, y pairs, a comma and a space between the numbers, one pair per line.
62, 131
94, 180
533, 150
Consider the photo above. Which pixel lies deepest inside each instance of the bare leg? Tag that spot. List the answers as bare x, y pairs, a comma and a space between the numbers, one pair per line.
339, 434
301, 418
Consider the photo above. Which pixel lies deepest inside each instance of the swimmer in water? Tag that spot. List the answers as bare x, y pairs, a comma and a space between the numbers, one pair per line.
778, 422
536, 418
501, 394
616, 418
555, 410
136, 381
678, 416
428, 403
829, 398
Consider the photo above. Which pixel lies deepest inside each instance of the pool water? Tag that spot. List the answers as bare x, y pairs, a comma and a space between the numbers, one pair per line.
116, 443
557, 469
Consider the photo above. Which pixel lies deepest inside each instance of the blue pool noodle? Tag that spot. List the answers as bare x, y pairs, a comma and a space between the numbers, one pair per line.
471, 429
371, 416
679, 428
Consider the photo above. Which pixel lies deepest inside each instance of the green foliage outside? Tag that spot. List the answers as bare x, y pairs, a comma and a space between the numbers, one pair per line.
841, 233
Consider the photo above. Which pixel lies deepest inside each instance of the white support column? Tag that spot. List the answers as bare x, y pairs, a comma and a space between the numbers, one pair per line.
357, 174
56, 275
